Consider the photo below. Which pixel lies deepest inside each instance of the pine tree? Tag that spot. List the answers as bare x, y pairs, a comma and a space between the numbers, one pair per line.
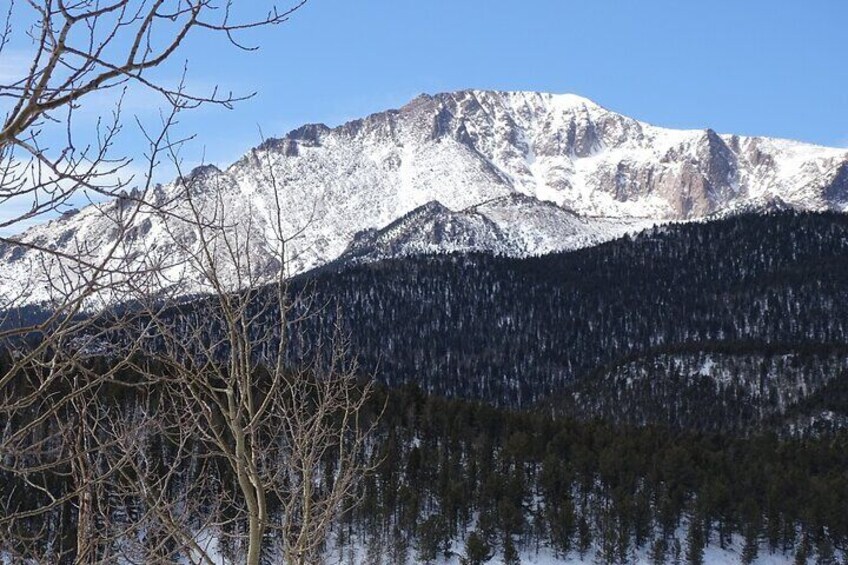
801, 553
752, 544
374, 549
825, 554
584, 535
560, 518
658, 550
477, 550
399, 549
510, 552
433, 539
676, 552
695, 542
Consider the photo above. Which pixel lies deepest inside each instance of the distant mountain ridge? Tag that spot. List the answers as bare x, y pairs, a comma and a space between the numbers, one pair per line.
514, 225
515, 173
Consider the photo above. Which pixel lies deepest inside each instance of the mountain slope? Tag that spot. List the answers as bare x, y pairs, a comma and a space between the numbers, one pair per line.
725, 326
462, 150
747, 311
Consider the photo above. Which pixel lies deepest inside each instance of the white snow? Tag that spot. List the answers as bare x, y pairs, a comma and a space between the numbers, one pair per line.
464, 149
713, 555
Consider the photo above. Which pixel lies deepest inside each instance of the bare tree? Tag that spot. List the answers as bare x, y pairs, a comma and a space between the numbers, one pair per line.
65, 446
285, 426
87, 52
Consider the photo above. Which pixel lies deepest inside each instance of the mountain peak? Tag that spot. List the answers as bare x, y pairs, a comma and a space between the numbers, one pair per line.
514, 98
513, 172
564, 100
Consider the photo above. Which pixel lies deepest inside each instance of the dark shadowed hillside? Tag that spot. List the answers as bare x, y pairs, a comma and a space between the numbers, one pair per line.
703, 308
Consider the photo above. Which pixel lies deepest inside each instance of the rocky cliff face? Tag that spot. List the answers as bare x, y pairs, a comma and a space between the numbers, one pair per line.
517, 173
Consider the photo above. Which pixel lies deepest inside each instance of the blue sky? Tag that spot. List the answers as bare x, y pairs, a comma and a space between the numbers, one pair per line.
750, 67
775, 68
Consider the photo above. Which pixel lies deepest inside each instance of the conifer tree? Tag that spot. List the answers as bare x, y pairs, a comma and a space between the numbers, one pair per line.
695, 542
752, 544
477, 550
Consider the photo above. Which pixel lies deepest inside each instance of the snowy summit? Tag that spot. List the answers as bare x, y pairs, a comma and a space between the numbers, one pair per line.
516, 173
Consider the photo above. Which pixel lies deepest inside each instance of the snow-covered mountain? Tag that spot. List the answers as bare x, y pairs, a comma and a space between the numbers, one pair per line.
514, 225
518, 173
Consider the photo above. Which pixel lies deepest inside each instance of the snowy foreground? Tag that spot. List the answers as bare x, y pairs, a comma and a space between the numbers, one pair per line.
546, 557
356, 554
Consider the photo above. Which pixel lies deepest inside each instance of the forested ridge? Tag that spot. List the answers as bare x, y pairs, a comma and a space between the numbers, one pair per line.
655, 396
719, 387
460, 479
726, 326
754, 289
